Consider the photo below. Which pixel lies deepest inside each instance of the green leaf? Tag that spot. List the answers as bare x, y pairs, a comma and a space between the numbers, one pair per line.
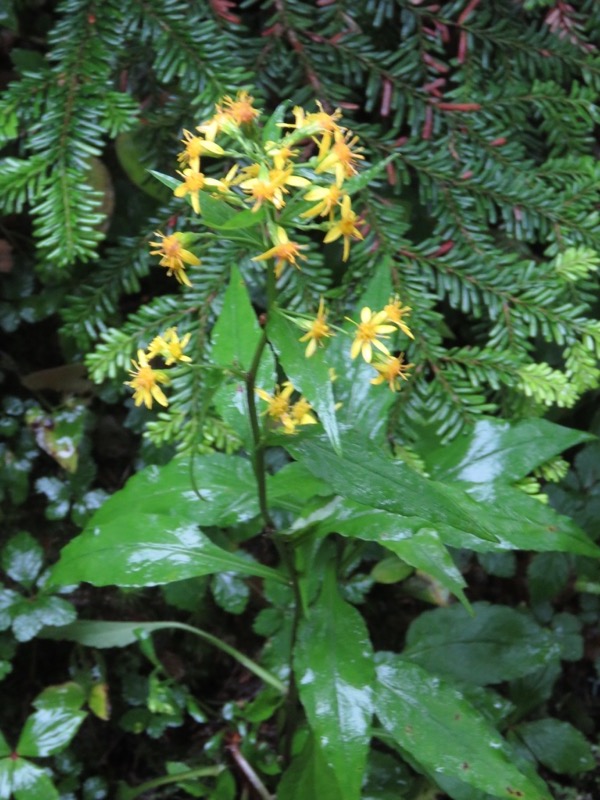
334, 671
68, 695
309, 776
293, 486
235, 339
22, 780
443, 733
23, 558
218, 214
236, 334
149, 554
557, 745
495, 644
33, 613
523, 523
494, 450
363, 473
5, 748
407, 537
49, 730
166, 180
167, 494
309, 375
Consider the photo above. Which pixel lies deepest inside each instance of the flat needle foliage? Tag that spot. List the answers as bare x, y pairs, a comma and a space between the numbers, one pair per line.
315, 287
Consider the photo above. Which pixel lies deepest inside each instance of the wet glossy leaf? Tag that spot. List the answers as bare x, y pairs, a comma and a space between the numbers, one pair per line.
114, 554
22, 780
292, 487
146, 533
59, 434
407, 537
334, 672
433, 722
64, 696
364, 474
49, 730
497, 451
557, 745
230, 592
30, 614
310, 376
309, 776
23, 558
496, 644
235, 339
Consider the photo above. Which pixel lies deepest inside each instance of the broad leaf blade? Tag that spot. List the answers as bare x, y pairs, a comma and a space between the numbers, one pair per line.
309, 375
309, 776
495, 644
147, 555
334, 671
494, 450
408, 538
235, 339
48, 731
439, 729
364, 474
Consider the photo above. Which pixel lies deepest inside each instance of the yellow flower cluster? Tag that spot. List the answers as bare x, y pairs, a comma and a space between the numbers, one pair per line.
370, 331
264, 176
281, 410
145, 379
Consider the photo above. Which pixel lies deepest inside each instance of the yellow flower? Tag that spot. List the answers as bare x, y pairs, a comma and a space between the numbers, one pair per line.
270, 185
196, 147
370, 327
301, 413
315, 120
145, 382
391, 370
214, 125
193, 183
241, 111
281, 154
283, 251
338, 157
345, 227
317, 329
174, 255
280, 410
395, 311
170, 347
327, 196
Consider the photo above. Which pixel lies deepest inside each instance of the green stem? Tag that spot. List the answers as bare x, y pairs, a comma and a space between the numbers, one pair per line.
129, 793
250, 665
286, 551
258, 457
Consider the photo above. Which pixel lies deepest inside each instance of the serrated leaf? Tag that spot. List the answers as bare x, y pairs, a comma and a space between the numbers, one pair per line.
48, 731
333, 665
494, 644
441, 731
31, 614
22, 780
23, 558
